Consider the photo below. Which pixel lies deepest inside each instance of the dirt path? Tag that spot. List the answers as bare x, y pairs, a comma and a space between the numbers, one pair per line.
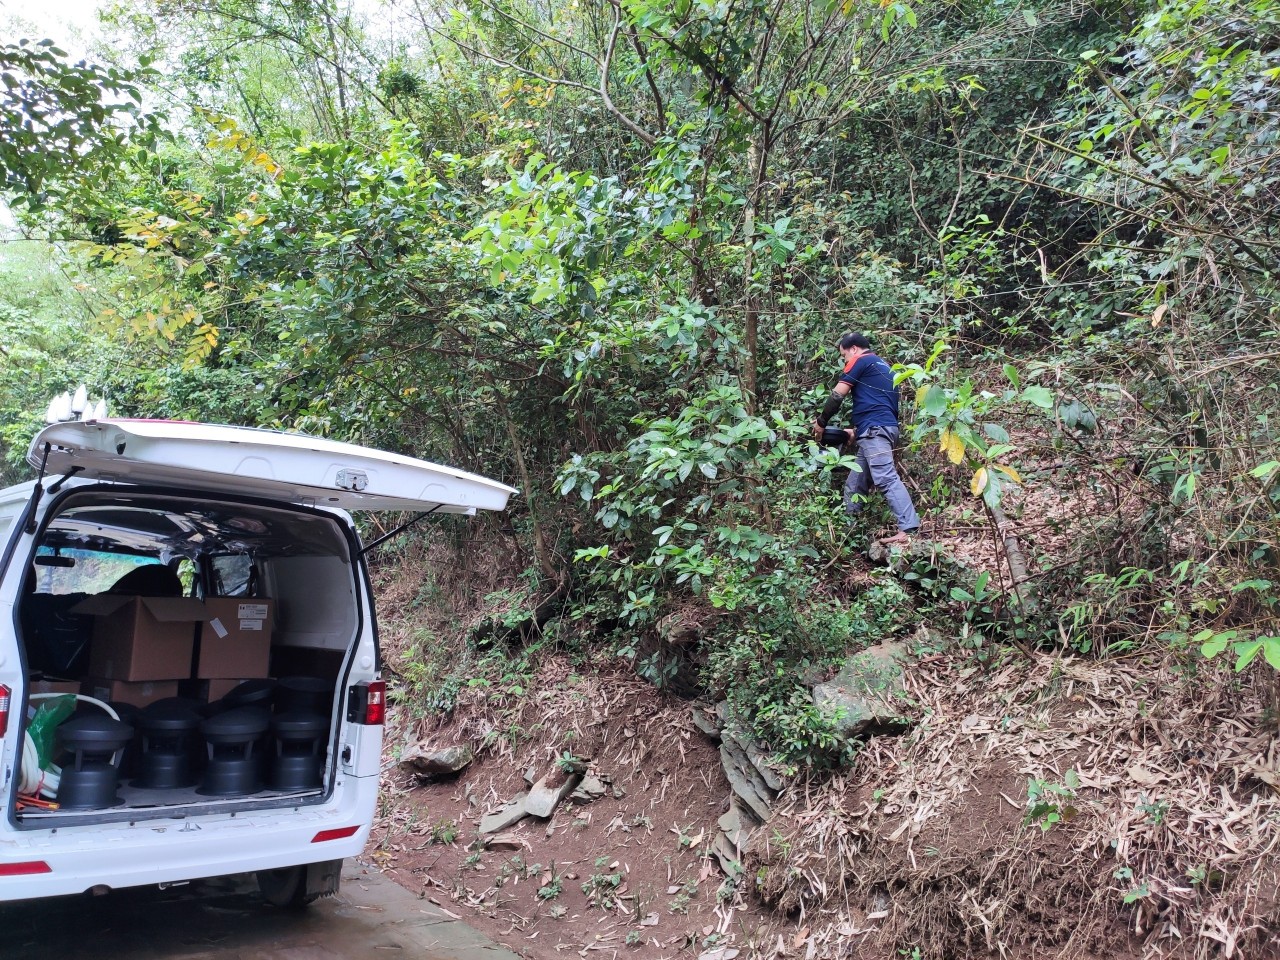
630, 872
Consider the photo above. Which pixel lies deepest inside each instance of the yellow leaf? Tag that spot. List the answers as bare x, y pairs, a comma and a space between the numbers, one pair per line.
920, 392
952, 446
1011, 473
979, 481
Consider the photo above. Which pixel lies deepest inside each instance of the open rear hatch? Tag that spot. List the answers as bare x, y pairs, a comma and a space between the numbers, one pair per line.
249, 462
197, 593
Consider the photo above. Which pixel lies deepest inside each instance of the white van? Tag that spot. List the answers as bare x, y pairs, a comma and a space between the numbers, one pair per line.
202, 593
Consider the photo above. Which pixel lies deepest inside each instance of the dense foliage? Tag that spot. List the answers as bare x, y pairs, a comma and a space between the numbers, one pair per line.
603, 251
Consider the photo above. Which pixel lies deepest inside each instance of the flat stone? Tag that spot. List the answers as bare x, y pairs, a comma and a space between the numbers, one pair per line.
543, 797
735, 749
591, 788
727, 854
505, 841
706, 721
426, 762
510, 813
743, 787
737, 827
761, 763
865, 691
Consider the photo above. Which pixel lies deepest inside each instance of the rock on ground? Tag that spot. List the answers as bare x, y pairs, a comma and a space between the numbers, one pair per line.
864, 693
426, 762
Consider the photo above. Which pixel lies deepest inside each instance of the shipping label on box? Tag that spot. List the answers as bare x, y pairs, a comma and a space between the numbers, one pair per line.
235, 640
142, 638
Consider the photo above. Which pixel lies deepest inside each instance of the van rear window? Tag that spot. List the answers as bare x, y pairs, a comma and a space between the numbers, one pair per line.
82, 571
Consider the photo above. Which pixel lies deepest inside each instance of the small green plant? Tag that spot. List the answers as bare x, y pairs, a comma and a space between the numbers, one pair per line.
680, 904
1156, 810
444, 831
1134, 894
472, 861
686, 837
640, 820
602, 888
1202, 875
551, 889
1051, 803
568, 763
634, 937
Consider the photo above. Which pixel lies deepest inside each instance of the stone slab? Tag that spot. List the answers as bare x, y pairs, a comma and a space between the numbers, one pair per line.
865, 691
510, 813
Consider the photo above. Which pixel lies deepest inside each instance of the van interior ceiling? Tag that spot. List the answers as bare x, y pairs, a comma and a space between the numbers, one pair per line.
204, 641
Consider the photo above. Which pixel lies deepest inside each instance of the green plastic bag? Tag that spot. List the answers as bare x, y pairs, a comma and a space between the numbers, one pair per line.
49, 714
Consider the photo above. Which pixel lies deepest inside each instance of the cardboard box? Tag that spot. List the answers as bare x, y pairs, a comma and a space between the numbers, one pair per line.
139, 692
141, 638
235, 639
216, 688
52, 686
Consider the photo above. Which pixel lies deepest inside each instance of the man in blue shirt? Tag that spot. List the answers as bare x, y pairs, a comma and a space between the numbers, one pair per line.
873, 423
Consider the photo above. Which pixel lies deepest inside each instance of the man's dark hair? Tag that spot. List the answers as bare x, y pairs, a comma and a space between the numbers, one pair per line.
848, 340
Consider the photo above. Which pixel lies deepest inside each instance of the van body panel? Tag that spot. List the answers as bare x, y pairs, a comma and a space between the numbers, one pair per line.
171, 850
240, 513
247, 461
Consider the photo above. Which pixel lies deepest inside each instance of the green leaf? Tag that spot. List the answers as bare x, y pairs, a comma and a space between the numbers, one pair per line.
1212, 643
1271, 650
935, 401
1038, 397
1246, 652
991, 494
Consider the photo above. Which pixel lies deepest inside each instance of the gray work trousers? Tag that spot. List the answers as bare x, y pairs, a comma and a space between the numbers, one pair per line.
875, 457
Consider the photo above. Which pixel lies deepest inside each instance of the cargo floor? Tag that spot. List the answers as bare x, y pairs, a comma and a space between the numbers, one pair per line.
140, 797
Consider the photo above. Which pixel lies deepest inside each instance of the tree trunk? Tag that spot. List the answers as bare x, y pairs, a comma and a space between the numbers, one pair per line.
546, 562
1018, 572
756, 159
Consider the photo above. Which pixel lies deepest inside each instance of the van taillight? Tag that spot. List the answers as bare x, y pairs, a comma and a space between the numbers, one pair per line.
367, 703
5, 696
24, 869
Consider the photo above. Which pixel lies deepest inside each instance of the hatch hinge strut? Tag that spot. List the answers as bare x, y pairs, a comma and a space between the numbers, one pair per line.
412, 521
34, 504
